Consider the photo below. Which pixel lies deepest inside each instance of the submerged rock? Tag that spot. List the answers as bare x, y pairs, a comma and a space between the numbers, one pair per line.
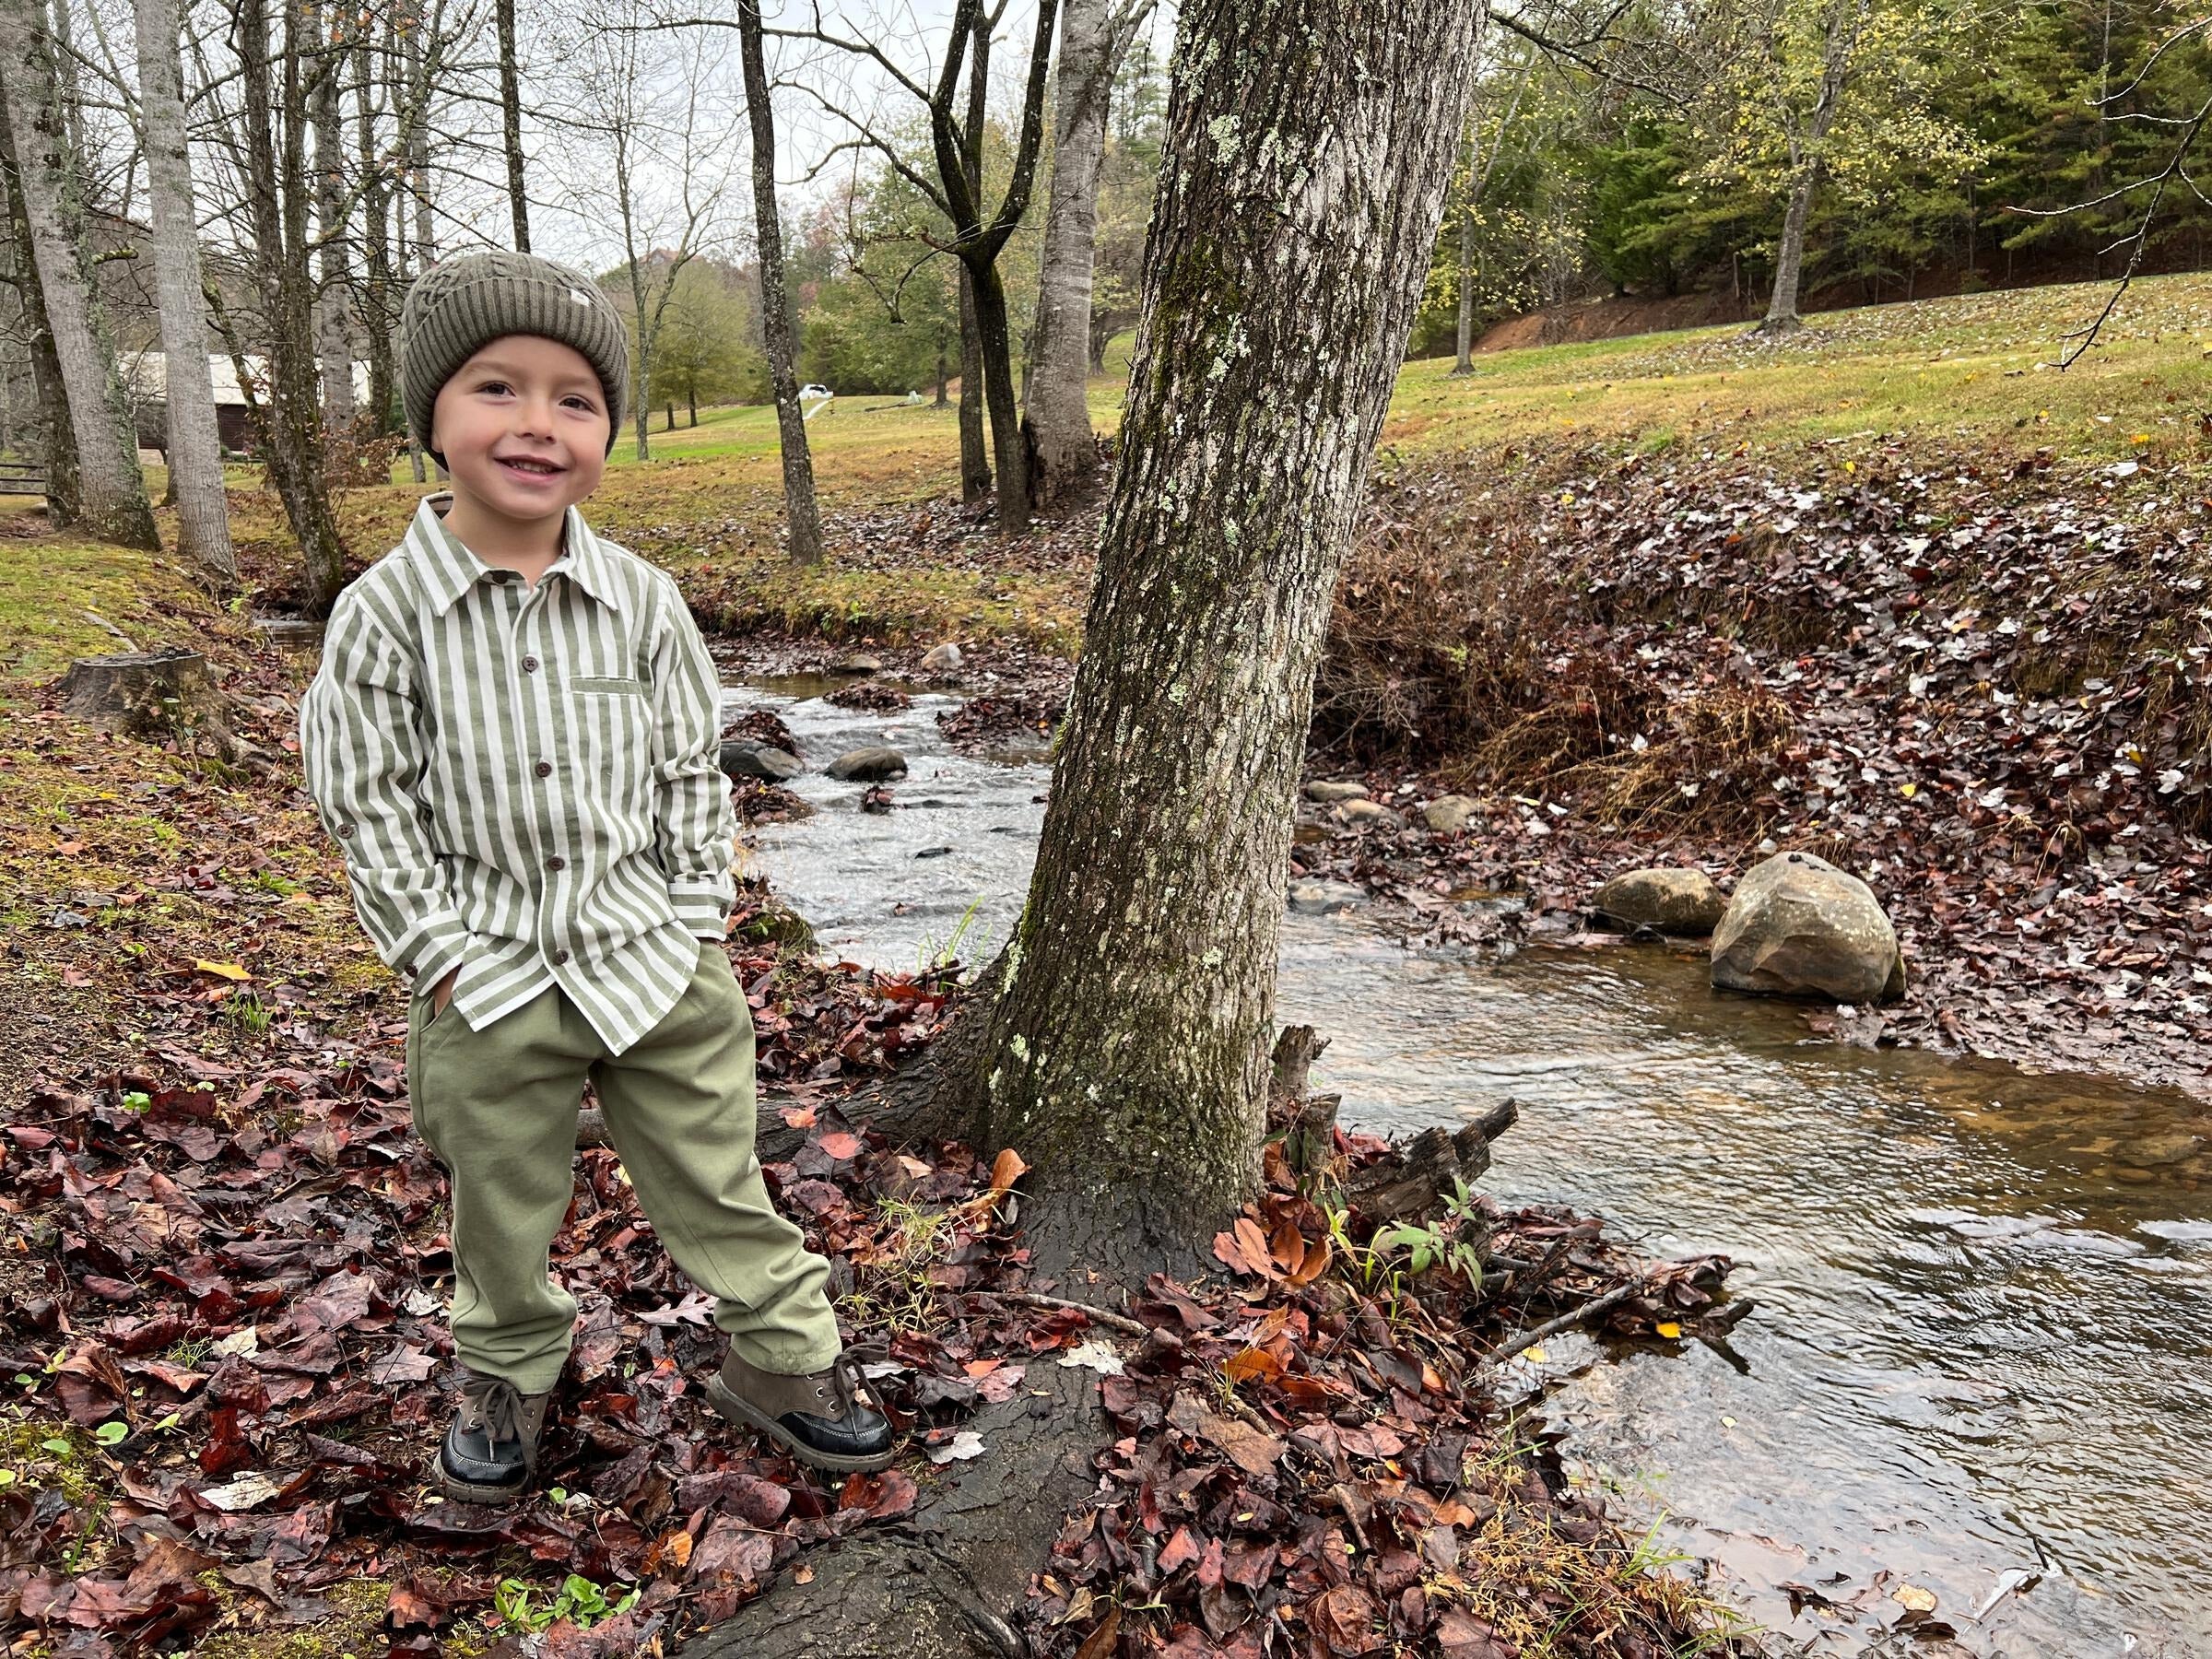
943, 659
867, 765
1684, 902
742, 758
1324, 898
1448, 815
1326, 793
1798, 927
860, 662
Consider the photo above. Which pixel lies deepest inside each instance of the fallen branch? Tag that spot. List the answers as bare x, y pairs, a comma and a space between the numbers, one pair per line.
1568, 1321
1099, 1316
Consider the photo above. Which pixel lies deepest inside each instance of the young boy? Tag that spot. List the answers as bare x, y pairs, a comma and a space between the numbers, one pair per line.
513, 737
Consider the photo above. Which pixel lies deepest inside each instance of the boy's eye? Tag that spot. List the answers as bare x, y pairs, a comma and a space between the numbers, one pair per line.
580, 404
495, 386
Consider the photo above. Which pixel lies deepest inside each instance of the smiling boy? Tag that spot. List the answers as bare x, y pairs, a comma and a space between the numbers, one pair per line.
513, 737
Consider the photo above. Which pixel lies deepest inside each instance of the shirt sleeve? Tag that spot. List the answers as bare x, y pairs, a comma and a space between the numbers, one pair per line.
360, 746
694, 826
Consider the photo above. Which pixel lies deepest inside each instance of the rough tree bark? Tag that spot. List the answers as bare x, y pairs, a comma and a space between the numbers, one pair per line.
334, 297
111, 490
510, 125
195, 447
799, 509
274, 109
1465, 363
63, 499
1308, 144
1063, 452
1129, 1053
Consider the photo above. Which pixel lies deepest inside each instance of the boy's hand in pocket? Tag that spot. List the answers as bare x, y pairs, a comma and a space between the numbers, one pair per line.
442, 991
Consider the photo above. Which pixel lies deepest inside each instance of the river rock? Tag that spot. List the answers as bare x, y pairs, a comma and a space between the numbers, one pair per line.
1684, 902
860, 663
1448, 815
943, 659
1326, 794
867, 765
1798, 927
1359, 812
1324, 898
742, 758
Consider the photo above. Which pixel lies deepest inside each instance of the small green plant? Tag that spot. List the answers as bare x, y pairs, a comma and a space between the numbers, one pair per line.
112, 1434
578, 1600
136, 1099
248, 1016
931, 954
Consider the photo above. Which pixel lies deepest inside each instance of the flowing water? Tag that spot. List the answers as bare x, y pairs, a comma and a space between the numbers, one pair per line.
1983, 1342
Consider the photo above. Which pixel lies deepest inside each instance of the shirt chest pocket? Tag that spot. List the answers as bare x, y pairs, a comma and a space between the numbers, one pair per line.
611, 729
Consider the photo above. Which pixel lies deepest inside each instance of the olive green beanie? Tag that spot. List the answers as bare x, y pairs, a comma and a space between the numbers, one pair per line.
460, 305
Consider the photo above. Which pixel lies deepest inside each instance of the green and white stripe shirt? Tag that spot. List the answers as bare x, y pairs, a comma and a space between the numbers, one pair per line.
524, 780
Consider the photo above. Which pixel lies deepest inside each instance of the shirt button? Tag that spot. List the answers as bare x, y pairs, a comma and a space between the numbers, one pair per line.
557, 863
560, 959
344, 831
529, 665
545, 768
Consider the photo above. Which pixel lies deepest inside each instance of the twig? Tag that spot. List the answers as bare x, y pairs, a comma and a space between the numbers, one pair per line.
1552, 1327
1113, 1322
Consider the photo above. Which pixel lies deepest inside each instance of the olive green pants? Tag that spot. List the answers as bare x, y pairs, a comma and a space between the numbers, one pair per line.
499, 1107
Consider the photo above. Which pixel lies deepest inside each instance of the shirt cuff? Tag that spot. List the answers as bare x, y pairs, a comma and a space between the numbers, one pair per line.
444, 948
702, 908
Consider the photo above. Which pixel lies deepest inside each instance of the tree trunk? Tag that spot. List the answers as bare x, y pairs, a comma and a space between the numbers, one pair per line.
1465, 363
1128, 1056
777, 329
510, 125
376, 246
1063, 453
416, 151
64, 500
993, 345
1789, 255
334, 297
942, 399
975, 462
195, 448
276, 203
975, 453
112, 489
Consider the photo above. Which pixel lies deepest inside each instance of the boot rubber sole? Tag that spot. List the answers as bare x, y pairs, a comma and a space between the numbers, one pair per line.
724, 1400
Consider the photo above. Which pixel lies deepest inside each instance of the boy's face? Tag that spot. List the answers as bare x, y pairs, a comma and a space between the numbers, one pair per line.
523, 426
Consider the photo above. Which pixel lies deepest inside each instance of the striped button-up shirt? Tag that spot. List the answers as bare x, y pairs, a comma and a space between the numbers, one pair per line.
523, 778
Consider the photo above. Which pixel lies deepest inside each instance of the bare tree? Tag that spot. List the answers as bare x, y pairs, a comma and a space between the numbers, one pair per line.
776, 327
272, 153
333, 201
1094, 35
511, 125
975, 454
195, 453
111, 491
661, 133
64, 500
952, 183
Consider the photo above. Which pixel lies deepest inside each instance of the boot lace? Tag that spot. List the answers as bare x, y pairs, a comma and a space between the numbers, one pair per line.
850, 1386
497, 1403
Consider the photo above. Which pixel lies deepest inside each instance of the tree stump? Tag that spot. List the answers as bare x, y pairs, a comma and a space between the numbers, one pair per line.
156, 695
1413, 1179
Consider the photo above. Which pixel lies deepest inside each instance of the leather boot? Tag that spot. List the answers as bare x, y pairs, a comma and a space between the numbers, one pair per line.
490, 1448
832, 1419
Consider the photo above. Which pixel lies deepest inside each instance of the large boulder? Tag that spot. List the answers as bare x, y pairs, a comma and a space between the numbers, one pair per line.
1798, 927
1324, 898
1682, 902
943, 659
742, 758
868, 765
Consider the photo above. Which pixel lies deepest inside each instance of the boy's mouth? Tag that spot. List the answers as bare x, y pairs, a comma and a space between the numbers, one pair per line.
530, 467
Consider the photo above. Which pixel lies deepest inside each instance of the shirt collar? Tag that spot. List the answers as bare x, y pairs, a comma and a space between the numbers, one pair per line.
451, 570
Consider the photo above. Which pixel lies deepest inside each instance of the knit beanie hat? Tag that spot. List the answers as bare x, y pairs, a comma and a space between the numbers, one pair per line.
460, 305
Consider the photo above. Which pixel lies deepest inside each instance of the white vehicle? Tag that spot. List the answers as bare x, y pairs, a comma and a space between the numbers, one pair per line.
816, 391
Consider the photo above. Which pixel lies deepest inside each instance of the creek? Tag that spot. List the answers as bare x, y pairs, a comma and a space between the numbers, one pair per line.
1983, 1340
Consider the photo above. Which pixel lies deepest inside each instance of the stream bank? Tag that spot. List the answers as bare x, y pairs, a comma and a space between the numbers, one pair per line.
1966, 1271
